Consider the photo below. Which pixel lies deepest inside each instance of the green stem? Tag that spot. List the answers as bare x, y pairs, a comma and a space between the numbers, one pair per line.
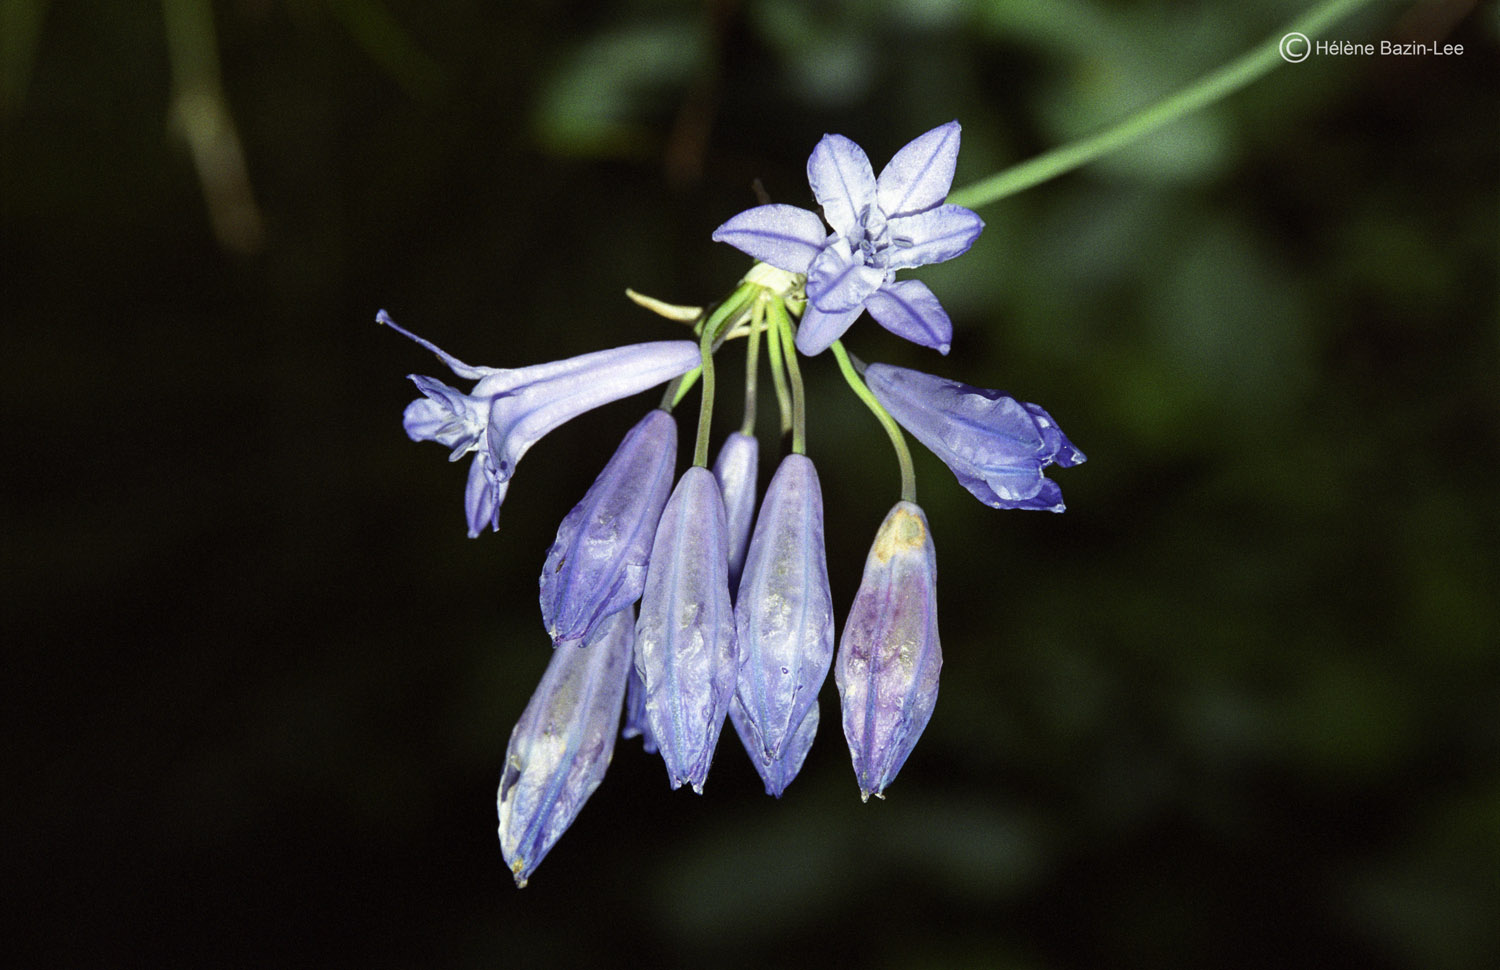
730, 310
706, 402
1258, 61
892, 429
752, 375
778, 378
783, 324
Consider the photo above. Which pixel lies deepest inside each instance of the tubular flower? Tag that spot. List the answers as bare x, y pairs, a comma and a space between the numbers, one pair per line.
509, 410
735, 469
880, 225
784, 624
684, 638
995, 445
561, 746
889, 657
597, 564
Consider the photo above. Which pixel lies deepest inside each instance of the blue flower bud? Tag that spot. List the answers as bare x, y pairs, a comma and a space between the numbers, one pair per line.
995, 445
561, 746
597, 564
684, 638
736, 469
889, 657
784, 624
636, 725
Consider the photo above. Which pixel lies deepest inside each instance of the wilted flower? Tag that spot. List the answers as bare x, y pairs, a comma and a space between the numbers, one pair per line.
561, 746
509, 410
684, 638
889, 657
736, 469
597, 564
784, 621
880, 225
996, 445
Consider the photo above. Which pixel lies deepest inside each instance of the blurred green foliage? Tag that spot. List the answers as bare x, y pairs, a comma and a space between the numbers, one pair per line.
1236, 708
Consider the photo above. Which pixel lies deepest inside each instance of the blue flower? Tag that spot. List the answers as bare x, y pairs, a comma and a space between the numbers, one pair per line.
880, 225
784, 624
685, 646
995, 445
562, 745
889, 657
597, 564
509, 410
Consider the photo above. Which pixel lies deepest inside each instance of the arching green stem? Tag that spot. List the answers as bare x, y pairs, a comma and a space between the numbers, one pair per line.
778, 378
1260, 60
752, 375
892, 429
783, 334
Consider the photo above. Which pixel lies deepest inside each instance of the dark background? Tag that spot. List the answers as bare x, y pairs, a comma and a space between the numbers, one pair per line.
1235, 708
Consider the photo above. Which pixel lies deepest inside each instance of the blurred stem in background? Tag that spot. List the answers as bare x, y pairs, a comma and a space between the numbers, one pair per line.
1218, 84
201, 115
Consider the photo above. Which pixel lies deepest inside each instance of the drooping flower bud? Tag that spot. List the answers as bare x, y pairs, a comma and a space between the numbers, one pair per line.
889, 657
995, 445
562, 744
784, 622
736, 469
597, 564
684, 639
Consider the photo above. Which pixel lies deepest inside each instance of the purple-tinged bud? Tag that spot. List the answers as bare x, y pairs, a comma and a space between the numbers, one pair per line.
597, 565
784, 622
889, 657
561, 746
780, 772
736, 469
684, 638
636, 725
995, 445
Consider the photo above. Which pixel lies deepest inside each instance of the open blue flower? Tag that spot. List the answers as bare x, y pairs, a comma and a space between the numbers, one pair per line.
995, 445
880, 225
509, 410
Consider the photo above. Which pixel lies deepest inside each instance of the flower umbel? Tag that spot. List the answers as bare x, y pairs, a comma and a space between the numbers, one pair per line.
509, 410
889, 657
597, 564
880, 225
995, 445
562, 745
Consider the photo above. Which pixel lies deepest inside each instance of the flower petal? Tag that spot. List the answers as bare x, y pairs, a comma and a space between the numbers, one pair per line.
736, 469
520, 419
908, 309
778, 773
842, 181
454, 364
483, 495
889, 657
919, 175
685, 642
562, 745
783, 235
932, 236
818, 329
838, 280
636, 724
597, 564
783, 615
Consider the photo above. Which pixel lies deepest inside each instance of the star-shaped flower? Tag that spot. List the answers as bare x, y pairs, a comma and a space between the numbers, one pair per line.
880, 225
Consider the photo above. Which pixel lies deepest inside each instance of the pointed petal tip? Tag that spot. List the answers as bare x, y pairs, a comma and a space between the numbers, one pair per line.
383, 319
